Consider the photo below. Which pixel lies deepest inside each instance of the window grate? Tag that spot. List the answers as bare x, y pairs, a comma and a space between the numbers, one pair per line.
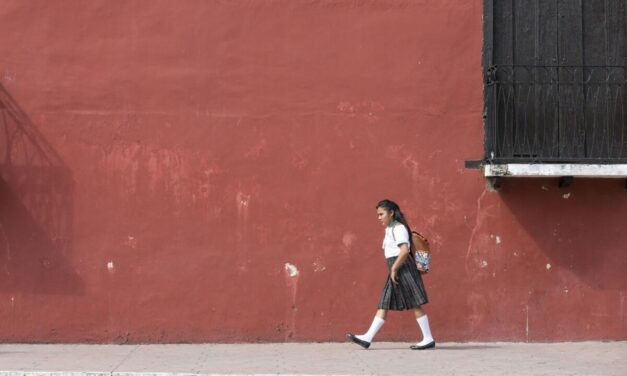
556, 114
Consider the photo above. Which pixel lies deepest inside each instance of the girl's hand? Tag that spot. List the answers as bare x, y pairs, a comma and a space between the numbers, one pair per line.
393, 276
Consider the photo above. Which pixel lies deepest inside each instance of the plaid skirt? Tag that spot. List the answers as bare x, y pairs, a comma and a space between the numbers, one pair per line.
408, 293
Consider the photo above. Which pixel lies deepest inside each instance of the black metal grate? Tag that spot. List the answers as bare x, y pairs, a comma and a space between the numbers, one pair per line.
556, 114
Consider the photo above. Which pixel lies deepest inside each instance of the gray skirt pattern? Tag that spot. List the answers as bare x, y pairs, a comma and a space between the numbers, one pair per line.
408, 293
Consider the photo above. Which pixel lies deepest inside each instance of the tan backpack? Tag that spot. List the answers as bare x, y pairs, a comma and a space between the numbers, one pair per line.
420, 251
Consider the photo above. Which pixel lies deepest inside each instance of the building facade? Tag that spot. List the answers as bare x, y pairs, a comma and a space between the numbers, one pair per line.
201, 171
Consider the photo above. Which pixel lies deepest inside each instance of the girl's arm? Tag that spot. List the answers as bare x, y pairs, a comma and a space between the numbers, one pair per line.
399, 261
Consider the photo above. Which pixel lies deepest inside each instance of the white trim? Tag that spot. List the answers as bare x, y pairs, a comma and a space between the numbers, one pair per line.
556, 170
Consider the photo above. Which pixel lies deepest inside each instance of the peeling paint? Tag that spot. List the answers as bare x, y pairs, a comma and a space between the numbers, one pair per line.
291, 282
527, 322
242, 200
348, 239
257, 149
367, 109
483, 264
622, 304
8, 76
479, 218
498, 239
291, 269
548, 266
318, 266
110, 266
131, 242
566, 196
141, 169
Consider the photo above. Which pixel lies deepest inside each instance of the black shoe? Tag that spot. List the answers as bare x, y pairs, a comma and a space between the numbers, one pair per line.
430, 345
358, 341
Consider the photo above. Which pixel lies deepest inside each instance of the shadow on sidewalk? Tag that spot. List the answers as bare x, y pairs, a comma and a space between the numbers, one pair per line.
467, 347
445, 347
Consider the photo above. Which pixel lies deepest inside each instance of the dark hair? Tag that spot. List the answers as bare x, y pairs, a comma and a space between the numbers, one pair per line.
391, 206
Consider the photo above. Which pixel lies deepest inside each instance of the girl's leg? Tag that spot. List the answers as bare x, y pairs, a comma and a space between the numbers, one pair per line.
382, 313
419, 312
423, 323
377, 323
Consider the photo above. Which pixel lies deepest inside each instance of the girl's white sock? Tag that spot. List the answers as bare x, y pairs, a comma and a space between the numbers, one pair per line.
377, 323
423, 322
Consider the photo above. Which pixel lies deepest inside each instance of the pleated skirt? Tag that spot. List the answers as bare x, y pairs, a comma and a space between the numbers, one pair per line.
408, 293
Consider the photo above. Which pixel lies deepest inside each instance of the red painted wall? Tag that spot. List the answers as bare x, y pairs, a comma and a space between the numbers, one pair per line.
163, 161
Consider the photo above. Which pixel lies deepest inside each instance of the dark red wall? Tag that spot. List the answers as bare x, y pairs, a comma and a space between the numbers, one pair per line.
163, 161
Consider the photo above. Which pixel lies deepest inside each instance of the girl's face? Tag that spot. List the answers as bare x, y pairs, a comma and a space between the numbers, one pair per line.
385, 217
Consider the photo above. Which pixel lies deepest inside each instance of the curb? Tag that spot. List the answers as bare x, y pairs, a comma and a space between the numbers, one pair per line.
95, 373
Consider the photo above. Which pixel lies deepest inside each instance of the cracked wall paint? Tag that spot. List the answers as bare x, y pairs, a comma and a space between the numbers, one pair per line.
292, 275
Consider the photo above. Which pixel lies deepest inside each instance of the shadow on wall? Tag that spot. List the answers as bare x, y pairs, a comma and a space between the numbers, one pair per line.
36, 192
580, 228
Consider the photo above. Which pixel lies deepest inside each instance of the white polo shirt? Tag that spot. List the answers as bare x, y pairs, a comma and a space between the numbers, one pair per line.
391, 244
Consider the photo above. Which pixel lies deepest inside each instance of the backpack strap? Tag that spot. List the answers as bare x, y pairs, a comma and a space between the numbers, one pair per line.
420, 236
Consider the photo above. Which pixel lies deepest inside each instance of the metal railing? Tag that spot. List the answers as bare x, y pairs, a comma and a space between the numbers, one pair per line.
555, 114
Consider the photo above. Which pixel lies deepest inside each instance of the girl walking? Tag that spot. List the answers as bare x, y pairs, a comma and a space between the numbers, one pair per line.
403, 289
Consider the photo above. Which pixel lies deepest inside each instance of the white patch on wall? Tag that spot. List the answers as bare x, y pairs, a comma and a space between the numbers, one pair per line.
242, 200
548, 266
110, 266
483, 264
291, 269
8, 76
318, 266
497, 239
348, 239
566, 196
527, 321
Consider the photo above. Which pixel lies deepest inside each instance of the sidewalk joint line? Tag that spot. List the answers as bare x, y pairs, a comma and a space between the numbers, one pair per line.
125, 359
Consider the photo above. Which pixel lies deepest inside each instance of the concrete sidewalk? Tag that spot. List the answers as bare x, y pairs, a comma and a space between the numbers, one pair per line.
580, 358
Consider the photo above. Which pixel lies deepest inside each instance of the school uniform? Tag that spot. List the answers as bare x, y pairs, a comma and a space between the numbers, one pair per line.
410, 292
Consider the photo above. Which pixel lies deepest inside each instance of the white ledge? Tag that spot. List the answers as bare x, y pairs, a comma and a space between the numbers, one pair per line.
556, 170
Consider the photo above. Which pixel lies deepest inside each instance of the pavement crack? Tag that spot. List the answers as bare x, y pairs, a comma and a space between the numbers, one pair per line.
125, 359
